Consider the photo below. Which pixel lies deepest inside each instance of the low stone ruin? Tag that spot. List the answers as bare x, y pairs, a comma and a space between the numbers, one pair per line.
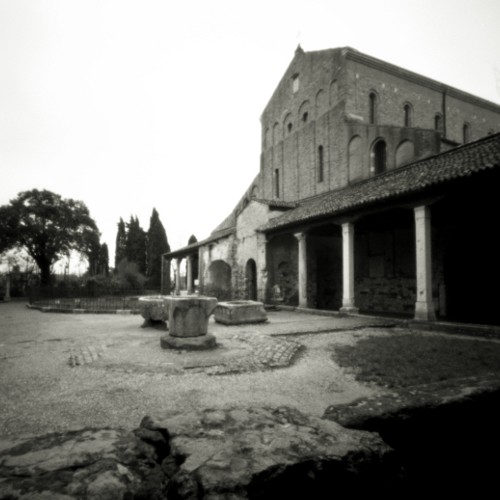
238, 312
154, 309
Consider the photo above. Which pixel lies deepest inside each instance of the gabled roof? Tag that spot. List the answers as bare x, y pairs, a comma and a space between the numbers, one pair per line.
413, 178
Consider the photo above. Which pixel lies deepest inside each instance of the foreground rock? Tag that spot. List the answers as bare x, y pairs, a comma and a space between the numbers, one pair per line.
445, 434
233, 454
103, 463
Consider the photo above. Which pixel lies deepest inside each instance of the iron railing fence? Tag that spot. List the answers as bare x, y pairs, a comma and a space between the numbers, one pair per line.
93, 298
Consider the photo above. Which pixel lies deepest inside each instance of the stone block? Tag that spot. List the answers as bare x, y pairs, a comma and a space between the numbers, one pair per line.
239, 312
154, 308
188, 315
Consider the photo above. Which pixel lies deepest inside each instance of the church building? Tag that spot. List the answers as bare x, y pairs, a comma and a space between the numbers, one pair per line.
377, 192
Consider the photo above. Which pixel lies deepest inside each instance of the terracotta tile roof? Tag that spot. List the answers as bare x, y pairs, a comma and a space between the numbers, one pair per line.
413, 178
279, 204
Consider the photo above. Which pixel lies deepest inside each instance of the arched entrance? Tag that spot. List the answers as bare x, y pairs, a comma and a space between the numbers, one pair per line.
219, 280
251, 280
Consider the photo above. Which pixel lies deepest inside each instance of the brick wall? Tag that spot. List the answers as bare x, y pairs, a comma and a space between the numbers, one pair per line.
332, 97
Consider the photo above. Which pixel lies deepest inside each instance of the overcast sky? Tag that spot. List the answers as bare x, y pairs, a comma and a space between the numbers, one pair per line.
129, 105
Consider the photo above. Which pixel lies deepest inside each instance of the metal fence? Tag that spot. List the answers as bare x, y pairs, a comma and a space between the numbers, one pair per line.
91, 298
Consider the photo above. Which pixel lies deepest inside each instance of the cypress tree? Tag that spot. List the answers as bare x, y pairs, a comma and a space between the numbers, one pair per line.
192, 239
121, 243
157, 244
135, 249
103, 265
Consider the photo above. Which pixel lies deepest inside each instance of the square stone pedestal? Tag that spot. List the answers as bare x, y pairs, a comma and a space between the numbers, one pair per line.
188, 323
238, 312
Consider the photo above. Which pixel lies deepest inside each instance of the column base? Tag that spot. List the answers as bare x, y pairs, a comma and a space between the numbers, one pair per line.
424, 312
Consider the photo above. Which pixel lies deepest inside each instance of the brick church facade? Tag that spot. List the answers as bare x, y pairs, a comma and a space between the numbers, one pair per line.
377, 192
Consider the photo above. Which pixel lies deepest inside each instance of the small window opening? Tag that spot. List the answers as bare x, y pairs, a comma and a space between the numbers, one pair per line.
373, 108
295, 83
408, 117
276, 183
466, 133
305, 116
289, 127
320, 164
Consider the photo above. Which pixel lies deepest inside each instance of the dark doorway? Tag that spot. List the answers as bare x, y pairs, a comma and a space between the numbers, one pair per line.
465, 222
379, 157
251, 280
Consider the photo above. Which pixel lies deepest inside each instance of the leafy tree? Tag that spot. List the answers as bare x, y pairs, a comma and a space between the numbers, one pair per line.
47, 226
157, 244
121, 243
136, 244
192, 239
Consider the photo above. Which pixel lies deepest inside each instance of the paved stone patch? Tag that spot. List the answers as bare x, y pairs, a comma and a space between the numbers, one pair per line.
238, 354
85, 355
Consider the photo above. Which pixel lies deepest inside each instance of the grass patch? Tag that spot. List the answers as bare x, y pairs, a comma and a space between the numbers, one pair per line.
406, 360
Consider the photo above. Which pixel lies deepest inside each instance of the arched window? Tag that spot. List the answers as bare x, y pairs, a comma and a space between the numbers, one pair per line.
466, 133
372, 110
438, 122
321, 164
378, 157
287, 124
303, 115
408, 115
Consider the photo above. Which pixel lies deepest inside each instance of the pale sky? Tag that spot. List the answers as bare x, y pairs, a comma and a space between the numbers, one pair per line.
133, 104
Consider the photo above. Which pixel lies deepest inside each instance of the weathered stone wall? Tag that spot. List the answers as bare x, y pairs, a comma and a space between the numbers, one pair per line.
385, 263
324, 265
219, 250
282, 267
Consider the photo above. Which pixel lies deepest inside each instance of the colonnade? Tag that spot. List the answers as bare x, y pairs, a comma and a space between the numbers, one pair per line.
424, 306
166, 266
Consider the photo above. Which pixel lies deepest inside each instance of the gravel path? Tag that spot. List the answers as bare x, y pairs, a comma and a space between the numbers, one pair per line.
68, 371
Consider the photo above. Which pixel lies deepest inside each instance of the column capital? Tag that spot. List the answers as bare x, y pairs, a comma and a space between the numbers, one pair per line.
300, 236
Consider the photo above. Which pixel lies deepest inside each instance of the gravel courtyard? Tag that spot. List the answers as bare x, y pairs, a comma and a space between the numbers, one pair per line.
68, 371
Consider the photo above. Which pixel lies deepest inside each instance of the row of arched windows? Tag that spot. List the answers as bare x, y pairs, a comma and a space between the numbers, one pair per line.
306, 110
408, 117
403, 154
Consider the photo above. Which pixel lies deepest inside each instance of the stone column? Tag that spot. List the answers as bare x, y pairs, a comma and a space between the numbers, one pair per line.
189, 274
178, 276
348, 305
424, 306
301, 237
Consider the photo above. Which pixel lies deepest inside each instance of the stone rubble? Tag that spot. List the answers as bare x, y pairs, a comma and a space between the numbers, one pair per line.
211, 454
